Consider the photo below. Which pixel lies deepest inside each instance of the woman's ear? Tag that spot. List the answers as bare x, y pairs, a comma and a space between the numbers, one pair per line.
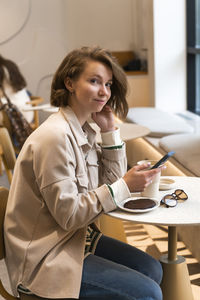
68, 84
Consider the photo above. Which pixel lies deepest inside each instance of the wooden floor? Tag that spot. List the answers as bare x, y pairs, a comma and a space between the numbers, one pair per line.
153, 240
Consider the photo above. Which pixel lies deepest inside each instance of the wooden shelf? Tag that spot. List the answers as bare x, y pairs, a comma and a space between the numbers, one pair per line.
123, 58
130, 73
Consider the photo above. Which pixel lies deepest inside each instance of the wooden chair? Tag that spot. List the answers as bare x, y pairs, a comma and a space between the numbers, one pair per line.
3, 202
35, 101
3, 292
7, 152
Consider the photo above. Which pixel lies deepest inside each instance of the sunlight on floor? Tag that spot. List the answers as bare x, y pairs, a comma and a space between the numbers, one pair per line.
153, 240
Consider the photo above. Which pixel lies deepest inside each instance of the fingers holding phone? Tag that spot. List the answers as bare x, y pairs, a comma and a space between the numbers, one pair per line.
153, 188
139, 177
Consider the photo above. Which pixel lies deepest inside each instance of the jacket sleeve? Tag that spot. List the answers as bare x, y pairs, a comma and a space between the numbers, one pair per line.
112, 164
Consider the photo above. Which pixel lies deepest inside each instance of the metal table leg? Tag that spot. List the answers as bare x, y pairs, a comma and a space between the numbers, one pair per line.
176, 282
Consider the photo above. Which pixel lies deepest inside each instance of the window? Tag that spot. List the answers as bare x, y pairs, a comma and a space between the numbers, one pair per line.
193, 55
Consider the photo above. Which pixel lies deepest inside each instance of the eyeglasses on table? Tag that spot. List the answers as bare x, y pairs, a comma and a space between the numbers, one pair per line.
171, 200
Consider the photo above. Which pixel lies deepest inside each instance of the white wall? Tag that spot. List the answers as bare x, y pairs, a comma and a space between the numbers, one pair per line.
168, 74
161, 29
107, 23
37, 35
30, 36
142, 14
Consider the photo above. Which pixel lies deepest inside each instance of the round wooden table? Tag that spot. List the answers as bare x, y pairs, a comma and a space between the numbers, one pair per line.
128, 131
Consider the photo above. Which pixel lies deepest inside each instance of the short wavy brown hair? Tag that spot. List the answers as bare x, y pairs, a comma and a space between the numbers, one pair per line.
10, 71
73, 65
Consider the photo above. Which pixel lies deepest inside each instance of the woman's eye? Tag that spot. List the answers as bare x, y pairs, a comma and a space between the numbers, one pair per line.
93, 80
109, 84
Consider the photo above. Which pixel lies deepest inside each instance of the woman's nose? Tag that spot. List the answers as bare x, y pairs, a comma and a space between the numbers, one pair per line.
103, 91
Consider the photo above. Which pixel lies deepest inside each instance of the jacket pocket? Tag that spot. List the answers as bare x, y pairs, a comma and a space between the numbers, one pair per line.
92, 161
82, 183
93, 171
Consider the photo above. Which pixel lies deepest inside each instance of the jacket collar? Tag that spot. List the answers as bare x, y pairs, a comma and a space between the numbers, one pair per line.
84, 135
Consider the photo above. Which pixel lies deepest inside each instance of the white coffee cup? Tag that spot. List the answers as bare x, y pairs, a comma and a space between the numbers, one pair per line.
152, 189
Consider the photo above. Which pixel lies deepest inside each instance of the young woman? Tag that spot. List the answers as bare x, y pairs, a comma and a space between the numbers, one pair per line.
63, 181
14, 86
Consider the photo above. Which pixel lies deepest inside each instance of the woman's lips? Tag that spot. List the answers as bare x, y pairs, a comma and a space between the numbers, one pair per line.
100, 101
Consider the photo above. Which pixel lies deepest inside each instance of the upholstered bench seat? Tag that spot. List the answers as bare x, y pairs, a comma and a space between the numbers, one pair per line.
159, 122
187, 150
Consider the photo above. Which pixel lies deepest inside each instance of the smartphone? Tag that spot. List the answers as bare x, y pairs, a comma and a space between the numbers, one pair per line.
163, 159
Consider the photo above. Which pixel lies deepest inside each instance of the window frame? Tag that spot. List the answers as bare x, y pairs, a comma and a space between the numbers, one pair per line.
192, 51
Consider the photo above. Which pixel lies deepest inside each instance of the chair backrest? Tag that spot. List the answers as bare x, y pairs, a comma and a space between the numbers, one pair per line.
7, 153
3, 202
5, 122
35, 101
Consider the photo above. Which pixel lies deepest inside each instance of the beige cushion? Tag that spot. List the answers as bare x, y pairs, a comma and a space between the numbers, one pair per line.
187, 150
159, 122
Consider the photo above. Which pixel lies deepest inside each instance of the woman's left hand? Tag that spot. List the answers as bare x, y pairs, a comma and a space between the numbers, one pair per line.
104, 119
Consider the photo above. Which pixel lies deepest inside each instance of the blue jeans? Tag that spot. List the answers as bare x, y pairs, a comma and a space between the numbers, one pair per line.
120, 271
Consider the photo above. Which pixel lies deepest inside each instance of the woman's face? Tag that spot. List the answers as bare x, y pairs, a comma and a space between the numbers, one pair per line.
91, 91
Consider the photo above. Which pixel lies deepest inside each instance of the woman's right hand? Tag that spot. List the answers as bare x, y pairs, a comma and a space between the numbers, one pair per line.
138, 178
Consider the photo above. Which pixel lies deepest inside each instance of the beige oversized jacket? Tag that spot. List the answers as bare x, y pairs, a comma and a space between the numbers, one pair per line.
58, 188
